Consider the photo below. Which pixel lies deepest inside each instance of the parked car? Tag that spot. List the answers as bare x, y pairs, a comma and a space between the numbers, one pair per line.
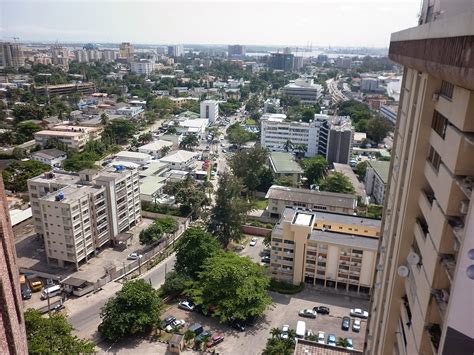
346, 323
196, 328
308, 313
284, 331
179, 323
237, 324
202, 336
239, 247
186, 305
321, 309
357, 312
265, 259
168, 320
332, 339
253, 242
349, 344
215, 339
134, 256
356, 325
321, 337
25, 291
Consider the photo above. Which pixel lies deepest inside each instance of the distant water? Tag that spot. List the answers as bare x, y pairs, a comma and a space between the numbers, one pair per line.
311, 54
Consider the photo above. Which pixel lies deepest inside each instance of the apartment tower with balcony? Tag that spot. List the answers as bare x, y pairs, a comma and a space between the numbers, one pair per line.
423, 300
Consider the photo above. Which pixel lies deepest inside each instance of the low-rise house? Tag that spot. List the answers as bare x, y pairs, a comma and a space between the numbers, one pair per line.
134, 157
281, 197
376, 178
283, 165
154, 148
151, 188
51, 157
180, 160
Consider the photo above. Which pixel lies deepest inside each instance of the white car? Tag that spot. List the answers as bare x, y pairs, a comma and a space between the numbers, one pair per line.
357, 312
253, 242
186, 305
134, 256
349, 344
321, 337
179, 323
308, 313
284, 331
356, 325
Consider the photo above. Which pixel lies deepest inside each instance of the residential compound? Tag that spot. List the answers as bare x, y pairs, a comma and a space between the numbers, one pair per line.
313, 138
304, 89
281, 197
424, 300
327, 249
77, 214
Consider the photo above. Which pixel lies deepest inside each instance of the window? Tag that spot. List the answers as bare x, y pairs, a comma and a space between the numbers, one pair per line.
446, 90
434, 158
439, 124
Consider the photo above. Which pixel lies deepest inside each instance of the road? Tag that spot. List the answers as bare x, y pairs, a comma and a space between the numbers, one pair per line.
84, 312
336, 94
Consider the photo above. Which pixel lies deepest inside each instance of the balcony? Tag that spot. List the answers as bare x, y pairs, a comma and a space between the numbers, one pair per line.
441, 298
449, 263
434, 332
456, 150
425, 202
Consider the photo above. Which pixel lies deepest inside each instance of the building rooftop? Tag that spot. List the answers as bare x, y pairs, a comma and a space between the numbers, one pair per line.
381, 168
179, 156
348, 219
194, 123
151, 184
282, 162
135, 155
57, 178
153, 168
347, 170
72, 193
58, 133
312, 196
156, 145
303, 219
306, 347
49, 153
359, 136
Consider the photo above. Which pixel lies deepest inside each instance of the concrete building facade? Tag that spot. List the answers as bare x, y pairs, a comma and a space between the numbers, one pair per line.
126, 51
11, 55
210, 110
341, 137
143, 67
424, 303
375, 181
304, 89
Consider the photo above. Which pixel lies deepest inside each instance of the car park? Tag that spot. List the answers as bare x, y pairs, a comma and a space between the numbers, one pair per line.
321, 337
134, 256
186, 305
321, 309
168, 320
331, 340
308, 313
356, 325
284, 331
179, 323
357, 312
346, 322
215, 339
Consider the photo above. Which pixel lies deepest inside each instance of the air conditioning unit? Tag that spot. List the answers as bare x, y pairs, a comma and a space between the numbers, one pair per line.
436, 96
464, 206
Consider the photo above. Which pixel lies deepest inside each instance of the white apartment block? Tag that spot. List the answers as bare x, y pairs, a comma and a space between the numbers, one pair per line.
304, 89
81, 56
210, 110
143, 67
77, 214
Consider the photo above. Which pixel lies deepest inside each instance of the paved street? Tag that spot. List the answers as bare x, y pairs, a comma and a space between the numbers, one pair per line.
254, 252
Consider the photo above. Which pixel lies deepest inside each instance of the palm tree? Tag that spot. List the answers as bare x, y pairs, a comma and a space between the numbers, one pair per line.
288, 145
165, 150
275, 332
145, 138
189, 142
342, 342
188, 335
104, 119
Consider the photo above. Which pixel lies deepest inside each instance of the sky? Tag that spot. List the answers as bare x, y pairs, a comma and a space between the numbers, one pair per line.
354, 23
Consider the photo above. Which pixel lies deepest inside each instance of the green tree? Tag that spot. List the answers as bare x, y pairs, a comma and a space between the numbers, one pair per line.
361, 125
120, 130
278, 346
151, 235
265, 178
16, 175
145, 138
168, 225
377, 129
288, 145
360, 169
314, 168
27, 128
307, 114
192, 249
342, 342
104, 119
80, 161
189, 194
53, 335
284, 181
135, 309
25, 112
337, 182
247, 165
189, 142
234, 285
19, 153
229, 213
175, 284
238, 135
165, 150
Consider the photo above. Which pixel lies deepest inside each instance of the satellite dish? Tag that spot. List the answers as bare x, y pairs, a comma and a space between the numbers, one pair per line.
413, 258
403, 271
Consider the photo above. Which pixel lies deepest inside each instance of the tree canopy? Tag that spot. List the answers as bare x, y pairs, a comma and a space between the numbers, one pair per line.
120, 130
189, 194
16, 175
377, 129
238, 135
135, 309
314, 168
234, 285
249, 165
337, 182
189, 142
53, 335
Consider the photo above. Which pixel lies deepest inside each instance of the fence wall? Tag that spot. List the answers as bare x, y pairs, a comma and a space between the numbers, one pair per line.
261, 232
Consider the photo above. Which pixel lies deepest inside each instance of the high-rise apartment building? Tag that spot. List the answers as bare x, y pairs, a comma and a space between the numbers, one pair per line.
11, 55
12, 323
210, 109
77, 214
423, 301
109, 55
142, 67
326, 249
126, 51
176, 50
341, 136
282, 61
60, 57
81, 55
236, 51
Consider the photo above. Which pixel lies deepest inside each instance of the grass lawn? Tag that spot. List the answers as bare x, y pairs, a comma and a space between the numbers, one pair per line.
250, 122
260, 204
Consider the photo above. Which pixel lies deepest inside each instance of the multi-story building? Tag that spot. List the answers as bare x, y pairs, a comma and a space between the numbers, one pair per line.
11, 55
281, 197
60, 57
94, 55
341, 136
369, 84
77, 214
282, 61
376, 178
109, 55
344, 62
389, 111
210, 110
176, 50
74, 137
284, 166
65, 89
423, 299
126, 51
304, 89
81, 55
236, 51
12, 323
320, 248
143, 67
51, 157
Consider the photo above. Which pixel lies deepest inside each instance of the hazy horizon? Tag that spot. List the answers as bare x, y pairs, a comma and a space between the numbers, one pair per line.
336, 23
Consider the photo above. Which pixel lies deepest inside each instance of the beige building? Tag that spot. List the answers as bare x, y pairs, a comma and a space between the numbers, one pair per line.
126, 51
77, 214
281, 197
326, 249
75, 137
424, 289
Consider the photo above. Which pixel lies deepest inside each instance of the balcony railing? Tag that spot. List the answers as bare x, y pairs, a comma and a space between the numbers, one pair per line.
441, 297
449, 263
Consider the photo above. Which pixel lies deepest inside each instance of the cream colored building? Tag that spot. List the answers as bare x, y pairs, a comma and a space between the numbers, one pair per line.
424, 288
326, 249
77, 214
75, 137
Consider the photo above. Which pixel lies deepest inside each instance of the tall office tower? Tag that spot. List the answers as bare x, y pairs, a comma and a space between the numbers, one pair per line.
11, 55
12, 323
423, 300
60, 57
176, 50
126, 51
236, 51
